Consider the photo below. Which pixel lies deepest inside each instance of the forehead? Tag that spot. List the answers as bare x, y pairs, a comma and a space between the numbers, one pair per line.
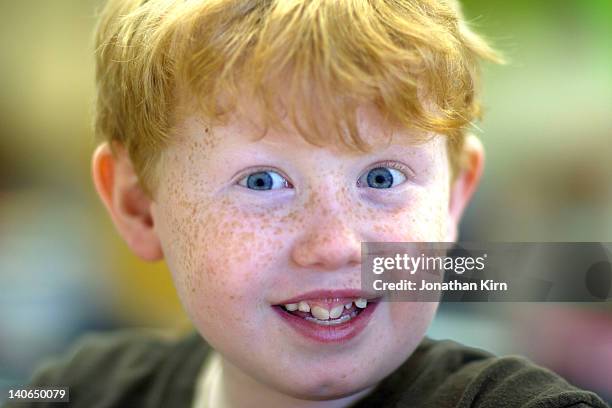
250, 122
238, 144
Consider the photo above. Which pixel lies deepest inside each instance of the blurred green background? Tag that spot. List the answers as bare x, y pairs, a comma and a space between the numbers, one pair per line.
547, 132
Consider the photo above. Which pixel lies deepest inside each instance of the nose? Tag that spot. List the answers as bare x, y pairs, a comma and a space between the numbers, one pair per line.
328, 244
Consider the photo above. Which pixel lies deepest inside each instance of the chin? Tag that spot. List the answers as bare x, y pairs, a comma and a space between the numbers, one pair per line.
325, 390
326, 383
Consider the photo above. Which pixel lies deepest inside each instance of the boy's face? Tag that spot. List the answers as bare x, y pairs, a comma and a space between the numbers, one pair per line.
247, 226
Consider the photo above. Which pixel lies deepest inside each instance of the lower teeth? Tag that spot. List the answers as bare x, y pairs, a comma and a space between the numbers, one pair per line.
332, 322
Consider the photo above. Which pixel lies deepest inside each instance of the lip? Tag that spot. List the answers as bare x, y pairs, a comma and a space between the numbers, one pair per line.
330, 294
337, 334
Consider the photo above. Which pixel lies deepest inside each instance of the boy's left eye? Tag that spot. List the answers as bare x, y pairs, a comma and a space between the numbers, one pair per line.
381, 177
264, 180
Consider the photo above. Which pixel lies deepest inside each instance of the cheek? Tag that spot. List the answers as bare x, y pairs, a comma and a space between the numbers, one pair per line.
422, 218
411, 316
222, 258
409, 322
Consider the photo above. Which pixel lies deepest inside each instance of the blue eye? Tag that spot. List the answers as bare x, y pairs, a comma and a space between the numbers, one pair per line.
264, 180
382, 177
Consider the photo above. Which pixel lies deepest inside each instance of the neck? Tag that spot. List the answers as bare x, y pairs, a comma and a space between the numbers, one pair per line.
236, 389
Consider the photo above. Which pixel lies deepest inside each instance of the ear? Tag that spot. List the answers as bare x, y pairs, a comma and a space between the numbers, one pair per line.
465, 183
127, 203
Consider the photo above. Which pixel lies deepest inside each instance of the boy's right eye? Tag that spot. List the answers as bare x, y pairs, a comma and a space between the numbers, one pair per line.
264, 180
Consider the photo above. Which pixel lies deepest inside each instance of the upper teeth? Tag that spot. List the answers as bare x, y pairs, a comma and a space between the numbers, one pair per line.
322, 313
335, 312
303, 307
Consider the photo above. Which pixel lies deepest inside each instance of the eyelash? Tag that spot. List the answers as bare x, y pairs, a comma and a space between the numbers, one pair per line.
255, 170
406, 171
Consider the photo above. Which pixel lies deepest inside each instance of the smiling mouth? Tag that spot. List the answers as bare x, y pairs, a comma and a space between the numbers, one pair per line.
328, 316
327, 312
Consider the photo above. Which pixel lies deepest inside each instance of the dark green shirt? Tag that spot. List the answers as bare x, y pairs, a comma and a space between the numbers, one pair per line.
138, 369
